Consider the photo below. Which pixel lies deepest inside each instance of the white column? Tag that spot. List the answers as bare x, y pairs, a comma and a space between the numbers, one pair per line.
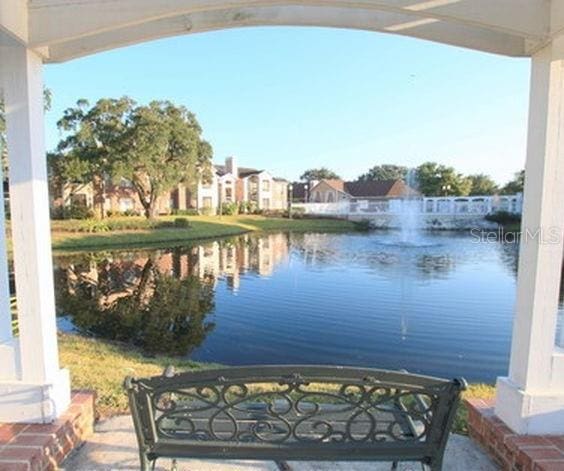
41, 391
5, 314
531, 399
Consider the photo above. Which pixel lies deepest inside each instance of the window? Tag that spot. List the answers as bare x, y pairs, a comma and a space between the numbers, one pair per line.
125, 204
79, 200
266, 185
317, 197
228, 194
207, 183
330, 198
266, 203
207, 202
125, 183
253, 189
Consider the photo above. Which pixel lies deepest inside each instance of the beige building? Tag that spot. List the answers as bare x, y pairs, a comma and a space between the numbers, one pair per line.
333, 191
228, 184
233, 184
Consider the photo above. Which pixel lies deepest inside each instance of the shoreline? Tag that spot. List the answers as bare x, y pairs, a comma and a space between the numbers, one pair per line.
200, 228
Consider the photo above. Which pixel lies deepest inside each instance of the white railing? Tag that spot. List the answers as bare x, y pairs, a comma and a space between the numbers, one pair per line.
440, 205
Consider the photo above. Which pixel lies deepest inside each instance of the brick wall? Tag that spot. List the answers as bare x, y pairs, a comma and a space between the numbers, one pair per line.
41, 447
510, 451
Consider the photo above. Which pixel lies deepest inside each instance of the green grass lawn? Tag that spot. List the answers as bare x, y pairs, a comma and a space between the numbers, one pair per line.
137, 232
102, 366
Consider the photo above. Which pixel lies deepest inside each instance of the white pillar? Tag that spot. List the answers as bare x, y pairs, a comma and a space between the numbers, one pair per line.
531, 399
5, 314
41, 390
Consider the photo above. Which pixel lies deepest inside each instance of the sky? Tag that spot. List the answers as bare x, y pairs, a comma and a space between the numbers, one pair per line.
288, 99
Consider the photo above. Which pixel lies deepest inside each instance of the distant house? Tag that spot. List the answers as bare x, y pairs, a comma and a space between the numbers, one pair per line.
332, 191
228, 184
233, 184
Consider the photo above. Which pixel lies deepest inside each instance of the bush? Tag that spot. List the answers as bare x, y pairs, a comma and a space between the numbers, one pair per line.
504, 217
298, 213
248, 207
56, 213
93, 225
276, 213
129, 213
181, 223
229, 209
207, 211
363, 225
74, 211
184, 212
129, 224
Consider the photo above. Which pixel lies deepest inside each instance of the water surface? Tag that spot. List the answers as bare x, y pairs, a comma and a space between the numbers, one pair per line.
442, 307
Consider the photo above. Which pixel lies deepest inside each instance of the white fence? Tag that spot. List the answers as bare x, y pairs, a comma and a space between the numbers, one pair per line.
448, 206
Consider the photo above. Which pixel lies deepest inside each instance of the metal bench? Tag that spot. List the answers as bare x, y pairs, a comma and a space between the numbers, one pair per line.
286, 413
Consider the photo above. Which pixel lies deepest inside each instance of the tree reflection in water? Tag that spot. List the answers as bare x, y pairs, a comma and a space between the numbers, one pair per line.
136, 301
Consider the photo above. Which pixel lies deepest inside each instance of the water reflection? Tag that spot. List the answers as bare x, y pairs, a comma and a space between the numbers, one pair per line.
135, 300
443, 308
158, 300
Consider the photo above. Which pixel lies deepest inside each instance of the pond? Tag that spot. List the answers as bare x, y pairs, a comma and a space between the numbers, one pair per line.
442, 307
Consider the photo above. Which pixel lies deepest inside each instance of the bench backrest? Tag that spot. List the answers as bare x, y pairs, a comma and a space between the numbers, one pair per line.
294, 413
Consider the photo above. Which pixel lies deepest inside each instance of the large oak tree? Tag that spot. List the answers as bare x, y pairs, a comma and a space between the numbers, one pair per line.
161, 147
155, 147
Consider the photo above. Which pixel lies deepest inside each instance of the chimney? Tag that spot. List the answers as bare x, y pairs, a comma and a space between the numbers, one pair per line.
231, 166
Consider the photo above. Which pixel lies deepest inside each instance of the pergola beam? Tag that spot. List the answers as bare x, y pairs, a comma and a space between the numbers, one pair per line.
455, 34
14, 19
53, 21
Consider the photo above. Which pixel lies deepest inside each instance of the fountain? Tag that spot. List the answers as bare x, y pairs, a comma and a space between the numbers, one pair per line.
410, 218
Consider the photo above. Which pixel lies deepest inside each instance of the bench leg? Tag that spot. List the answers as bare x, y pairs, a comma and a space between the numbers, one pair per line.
394, 466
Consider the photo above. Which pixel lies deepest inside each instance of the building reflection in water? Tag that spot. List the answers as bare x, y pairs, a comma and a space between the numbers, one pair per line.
158, 300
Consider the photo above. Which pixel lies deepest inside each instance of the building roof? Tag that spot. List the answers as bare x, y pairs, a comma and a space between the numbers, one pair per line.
243, 171
336, 184
371, 189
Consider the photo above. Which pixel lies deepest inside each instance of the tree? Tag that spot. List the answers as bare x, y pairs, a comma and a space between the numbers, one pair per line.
161, 147
439, 180
321, 173
516, 185
92, 143
384, 172
155, 147
482, 185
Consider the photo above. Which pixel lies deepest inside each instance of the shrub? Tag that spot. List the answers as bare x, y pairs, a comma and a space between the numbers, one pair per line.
93, 225
129, 224
181, 223
130, 213
184, 212
207, 211
363, 225
74, 211
229, 209
275, 213
298, 213
57, 213
244, 207
248, 207
504, 217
